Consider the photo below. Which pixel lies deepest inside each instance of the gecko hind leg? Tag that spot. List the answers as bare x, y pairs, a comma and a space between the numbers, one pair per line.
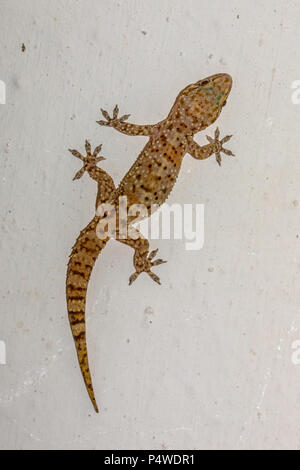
106, 186
143, 260
89, 161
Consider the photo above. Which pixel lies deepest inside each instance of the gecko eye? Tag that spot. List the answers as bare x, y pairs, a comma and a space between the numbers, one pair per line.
224, 103
204, 82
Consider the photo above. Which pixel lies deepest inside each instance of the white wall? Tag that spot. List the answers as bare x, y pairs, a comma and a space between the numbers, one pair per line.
211, 366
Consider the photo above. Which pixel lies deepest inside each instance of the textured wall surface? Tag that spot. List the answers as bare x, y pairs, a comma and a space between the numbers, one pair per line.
205, 360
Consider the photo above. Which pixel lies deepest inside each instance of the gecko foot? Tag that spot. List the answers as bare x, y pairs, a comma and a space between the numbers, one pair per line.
111, 122
144, 264
89, 161
218, 145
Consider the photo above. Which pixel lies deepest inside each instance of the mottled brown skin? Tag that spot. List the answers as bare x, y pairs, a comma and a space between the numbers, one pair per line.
149, 181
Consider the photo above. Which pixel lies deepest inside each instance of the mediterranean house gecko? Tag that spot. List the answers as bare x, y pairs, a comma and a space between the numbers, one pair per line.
149, 182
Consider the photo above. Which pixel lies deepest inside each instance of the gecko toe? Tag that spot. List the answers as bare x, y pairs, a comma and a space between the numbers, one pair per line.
133, 277
158, 262
225, 139
154, 277
228, 152
152, 254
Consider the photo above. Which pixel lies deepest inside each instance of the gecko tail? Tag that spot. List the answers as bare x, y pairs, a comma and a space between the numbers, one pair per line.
82, 259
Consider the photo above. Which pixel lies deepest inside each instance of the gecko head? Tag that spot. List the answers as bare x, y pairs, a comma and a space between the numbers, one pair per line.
201, 103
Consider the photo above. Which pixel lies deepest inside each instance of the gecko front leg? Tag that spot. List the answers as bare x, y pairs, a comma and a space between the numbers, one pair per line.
125, 127
215, 146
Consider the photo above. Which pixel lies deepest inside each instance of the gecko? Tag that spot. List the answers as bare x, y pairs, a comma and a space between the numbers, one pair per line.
149, 181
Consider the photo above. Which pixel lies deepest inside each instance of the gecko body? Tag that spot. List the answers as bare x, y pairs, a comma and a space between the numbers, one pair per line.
149, 182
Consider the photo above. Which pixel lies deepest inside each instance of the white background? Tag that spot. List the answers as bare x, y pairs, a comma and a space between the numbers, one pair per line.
204, 361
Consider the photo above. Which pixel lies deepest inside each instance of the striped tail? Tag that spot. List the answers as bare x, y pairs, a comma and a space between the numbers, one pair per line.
82, 260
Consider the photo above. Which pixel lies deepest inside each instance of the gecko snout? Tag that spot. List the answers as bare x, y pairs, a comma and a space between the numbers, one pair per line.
223, 82
220, 79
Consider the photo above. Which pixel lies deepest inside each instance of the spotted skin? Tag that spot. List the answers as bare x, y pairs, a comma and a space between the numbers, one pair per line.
149, 182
